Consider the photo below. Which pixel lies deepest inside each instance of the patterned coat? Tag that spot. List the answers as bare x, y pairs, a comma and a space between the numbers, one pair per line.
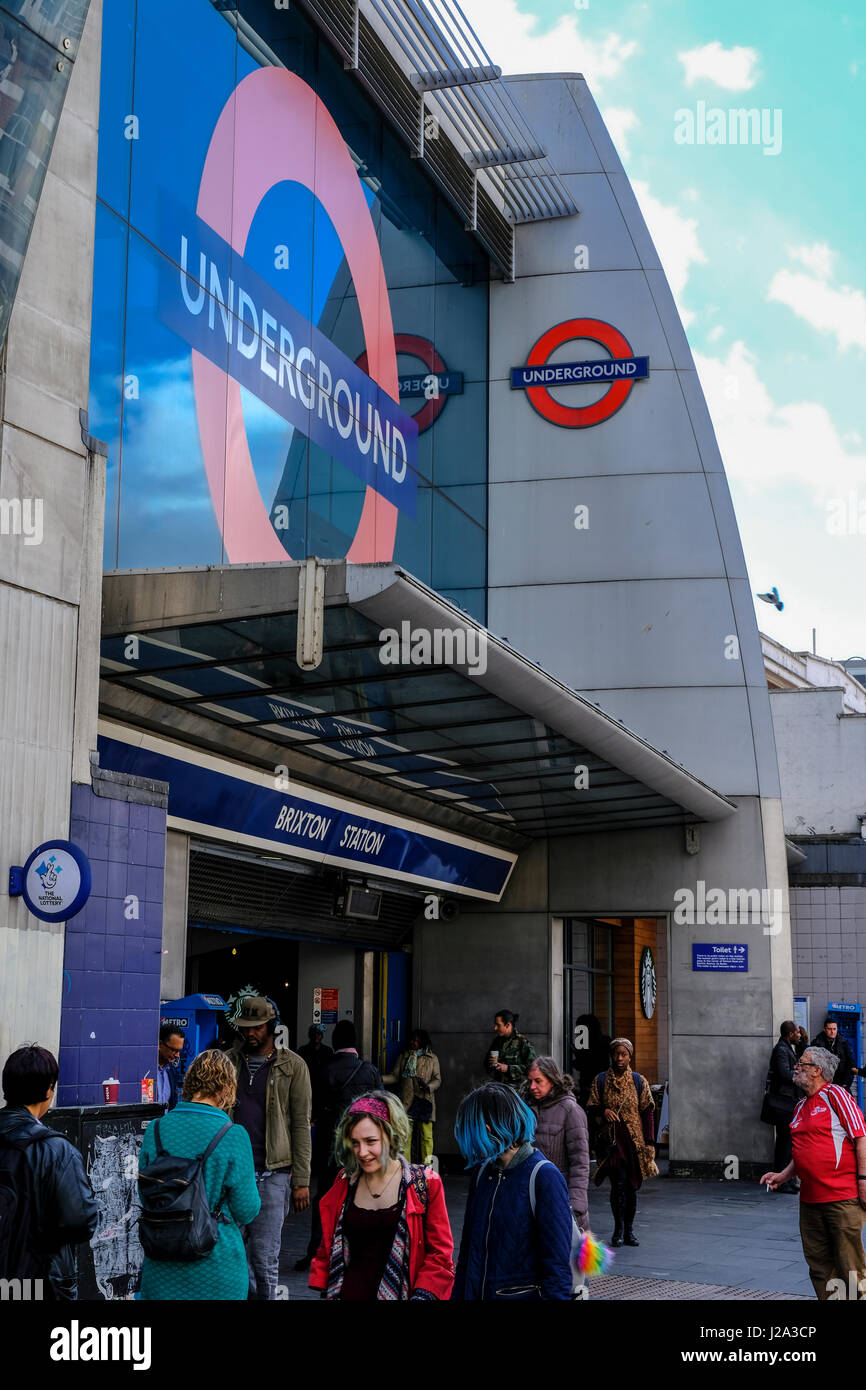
229, 1178
431, 1246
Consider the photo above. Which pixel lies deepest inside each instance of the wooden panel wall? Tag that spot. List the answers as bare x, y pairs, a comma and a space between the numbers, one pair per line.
629, 940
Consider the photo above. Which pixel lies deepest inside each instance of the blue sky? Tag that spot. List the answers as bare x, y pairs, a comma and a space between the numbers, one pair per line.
764, 254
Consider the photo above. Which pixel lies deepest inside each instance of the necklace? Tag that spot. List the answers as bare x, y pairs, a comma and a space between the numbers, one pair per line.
377, 1195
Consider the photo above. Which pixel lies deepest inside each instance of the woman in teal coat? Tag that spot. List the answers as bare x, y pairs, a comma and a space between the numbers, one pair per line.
208, 1096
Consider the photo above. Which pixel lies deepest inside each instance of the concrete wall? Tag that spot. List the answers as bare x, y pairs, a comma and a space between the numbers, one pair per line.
718, 1028
175, 914
648, 610
463, 972
331, 967
822, 762
43, 586
711, 1015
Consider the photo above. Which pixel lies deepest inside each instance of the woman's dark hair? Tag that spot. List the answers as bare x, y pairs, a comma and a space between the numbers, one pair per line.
507, 1016
344, 1034
561, 1082
489, 1121
422, 1035
28, 1073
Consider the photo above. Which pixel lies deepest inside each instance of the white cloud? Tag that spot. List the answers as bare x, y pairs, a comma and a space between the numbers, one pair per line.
790, 471
818, 258
516, 43
764, 444
676, 240
619, 121
838, 311
716, 333
732, 68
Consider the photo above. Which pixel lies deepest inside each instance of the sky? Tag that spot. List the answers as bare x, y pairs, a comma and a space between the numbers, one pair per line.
763, 252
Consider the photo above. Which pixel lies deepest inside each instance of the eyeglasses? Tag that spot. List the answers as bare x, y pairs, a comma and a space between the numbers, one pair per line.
801, 1066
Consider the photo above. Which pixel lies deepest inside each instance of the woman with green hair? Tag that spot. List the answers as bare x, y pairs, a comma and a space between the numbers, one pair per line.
385, 1229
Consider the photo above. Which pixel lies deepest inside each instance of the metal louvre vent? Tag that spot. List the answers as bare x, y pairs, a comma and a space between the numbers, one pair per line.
498, 238
233, 891
404, 105
391, 88
453, 175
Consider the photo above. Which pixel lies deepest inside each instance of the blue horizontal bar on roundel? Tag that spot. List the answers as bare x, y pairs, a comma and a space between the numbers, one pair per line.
448, 384
608, 369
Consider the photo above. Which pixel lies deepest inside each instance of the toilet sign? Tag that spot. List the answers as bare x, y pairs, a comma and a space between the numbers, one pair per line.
55, 881
326, 1005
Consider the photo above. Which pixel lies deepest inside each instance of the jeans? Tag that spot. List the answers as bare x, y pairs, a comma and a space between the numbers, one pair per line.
264, 1234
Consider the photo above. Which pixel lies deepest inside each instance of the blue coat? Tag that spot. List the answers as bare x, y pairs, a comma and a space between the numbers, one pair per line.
505, 1252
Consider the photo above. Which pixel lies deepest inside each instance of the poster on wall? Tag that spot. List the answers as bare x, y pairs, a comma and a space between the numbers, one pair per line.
326, 1005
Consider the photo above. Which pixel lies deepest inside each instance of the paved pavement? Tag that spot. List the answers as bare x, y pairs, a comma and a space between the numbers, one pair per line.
706, 1240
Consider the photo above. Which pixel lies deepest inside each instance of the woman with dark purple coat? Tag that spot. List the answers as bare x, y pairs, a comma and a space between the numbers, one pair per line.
561, 1131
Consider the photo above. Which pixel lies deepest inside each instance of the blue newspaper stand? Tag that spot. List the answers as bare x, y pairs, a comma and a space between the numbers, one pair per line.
197, 1016
850, 1020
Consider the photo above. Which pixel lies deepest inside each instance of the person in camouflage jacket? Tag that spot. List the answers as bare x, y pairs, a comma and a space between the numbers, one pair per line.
516, 1052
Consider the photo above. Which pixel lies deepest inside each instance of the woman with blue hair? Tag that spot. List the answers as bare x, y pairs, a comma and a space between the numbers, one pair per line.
517, 1231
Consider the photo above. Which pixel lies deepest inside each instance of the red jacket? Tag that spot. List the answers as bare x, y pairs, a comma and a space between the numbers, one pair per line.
431, 1247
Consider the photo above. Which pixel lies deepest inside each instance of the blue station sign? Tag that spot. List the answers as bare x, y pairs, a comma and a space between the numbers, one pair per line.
309, 824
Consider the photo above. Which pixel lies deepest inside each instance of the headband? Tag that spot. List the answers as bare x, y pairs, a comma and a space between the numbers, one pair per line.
369, 1105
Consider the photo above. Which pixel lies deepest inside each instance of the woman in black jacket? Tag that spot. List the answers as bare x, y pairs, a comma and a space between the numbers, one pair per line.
57, 1210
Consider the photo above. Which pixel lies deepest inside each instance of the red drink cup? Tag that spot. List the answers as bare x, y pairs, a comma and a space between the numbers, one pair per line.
111, 1090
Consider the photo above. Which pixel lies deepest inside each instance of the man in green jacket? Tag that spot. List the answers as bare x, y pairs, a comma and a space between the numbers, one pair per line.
273, 1105
511, 1053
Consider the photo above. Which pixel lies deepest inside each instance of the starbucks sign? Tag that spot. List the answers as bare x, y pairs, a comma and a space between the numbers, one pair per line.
647, 982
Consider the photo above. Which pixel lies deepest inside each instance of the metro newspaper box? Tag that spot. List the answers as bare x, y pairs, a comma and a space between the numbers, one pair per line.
108, 1137
198, 1018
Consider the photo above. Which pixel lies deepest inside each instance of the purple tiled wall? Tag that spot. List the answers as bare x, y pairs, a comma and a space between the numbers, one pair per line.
110, 1018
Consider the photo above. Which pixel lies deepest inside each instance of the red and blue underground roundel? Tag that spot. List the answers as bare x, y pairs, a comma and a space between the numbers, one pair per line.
619, 372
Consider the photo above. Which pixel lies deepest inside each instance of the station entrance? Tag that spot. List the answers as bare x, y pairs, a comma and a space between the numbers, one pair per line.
288, 930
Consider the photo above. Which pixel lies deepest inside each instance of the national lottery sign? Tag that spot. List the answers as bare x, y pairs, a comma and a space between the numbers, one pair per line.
245, 334
619, 371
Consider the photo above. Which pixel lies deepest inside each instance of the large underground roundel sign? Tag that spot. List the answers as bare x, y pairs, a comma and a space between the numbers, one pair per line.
283, 359
619, 372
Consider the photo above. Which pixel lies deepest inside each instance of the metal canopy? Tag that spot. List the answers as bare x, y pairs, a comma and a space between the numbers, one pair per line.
500, 741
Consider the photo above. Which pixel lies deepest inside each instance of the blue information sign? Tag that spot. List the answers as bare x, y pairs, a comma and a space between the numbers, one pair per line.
708, 955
